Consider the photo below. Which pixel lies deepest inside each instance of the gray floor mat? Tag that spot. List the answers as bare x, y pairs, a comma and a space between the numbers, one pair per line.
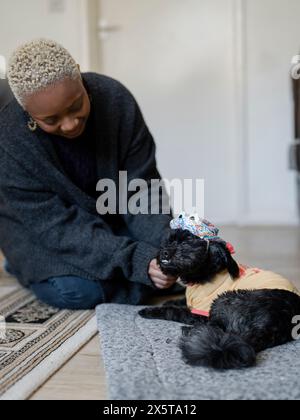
143, 362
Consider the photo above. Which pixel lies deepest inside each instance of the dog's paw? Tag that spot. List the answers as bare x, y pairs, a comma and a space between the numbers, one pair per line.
151, 313
186, 331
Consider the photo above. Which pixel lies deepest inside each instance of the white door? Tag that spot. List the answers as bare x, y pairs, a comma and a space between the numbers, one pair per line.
177, 58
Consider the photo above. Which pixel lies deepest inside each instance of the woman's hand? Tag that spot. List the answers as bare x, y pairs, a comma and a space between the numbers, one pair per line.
160, 280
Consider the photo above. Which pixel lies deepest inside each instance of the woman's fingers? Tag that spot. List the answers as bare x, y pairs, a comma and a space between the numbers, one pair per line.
163, 283
156, 271
160, 280
160, 284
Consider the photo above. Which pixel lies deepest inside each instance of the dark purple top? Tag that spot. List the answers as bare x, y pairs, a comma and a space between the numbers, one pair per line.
78, 158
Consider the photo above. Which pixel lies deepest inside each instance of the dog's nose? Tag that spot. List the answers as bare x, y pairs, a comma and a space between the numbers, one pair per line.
166, 255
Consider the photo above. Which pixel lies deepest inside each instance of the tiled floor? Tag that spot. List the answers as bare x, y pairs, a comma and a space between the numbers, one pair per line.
83, 377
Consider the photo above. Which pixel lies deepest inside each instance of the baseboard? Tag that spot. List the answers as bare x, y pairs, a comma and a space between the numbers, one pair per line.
271, 219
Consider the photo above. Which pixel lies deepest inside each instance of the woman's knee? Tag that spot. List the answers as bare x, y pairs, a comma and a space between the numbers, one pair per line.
70, 293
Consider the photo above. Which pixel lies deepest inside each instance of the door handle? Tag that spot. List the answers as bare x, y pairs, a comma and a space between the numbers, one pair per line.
105, 29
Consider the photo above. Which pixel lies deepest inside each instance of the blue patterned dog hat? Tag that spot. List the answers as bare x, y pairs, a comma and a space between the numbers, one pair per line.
199, 227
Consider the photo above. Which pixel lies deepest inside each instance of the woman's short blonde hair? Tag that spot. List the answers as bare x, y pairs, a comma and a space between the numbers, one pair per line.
37, 65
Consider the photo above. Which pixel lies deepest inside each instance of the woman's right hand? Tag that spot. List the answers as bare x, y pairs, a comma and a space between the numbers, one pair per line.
160, 280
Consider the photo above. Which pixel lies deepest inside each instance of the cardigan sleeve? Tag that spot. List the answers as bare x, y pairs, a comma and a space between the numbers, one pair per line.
139, 160
79, 238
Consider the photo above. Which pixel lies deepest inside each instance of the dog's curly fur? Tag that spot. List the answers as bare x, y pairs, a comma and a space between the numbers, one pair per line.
240, 324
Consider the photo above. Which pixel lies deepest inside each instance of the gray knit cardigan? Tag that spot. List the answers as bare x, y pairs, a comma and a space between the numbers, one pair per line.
50, 228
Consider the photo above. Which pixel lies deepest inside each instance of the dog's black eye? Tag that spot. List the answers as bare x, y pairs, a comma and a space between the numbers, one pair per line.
192, 218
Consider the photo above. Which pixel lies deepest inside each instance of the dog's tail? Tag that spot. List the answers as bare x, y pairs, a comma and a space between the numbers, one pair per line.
210, 346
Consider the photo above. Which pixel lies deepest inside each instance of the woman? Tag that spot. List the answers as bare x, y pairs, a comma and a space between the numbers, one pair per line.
63, 132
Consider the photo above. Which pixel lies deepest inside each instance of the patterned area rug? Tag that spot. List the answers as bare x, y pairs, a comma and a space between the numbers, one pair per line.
35, 341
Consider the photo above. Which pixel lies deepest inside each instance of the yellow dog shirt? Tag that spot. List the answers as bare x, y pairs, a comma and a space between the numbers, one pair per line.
200, 297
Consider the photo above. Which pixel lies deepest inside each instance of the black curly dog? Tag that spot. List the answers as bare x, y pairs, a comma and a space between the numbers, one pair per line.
240, 324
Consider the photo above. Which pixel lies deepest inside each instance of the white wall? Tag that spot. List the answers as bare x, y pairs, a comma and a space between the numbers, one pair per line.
24, 20
272, 38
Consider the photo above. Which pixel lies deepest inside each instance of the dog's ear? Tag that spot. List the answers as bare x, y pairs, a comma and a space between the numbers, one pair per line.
233, 268
222, 258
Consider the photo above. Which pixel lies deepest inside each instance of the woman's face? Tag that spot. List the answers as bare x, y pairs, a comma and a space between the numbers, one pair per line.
62, 109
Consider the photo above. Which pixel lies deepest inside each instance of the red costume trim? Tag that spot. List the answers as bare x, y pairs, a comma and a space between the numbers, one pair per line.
201, 313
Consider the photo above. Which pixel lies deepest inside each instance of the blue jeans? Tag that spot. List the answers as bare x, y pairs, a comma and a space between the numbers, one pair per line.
76, 293
67, 292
